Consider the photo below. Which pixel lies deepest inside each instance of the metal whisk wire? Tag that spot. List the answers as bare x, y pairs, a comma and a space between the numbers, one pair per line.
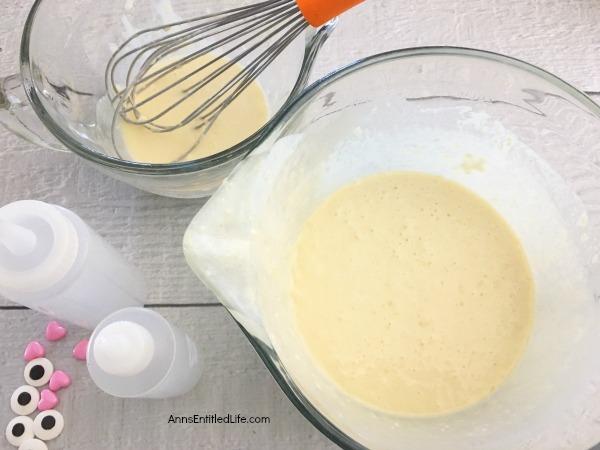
244, 42
265, 29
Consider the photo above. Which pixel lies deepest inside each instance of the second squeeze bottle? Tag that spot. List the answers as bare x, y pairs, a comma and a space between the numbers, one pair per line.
135, 352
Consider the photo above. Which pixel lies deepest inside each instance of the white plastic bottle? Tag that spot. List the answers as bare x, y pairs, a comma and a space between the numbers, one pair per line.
52, 262
135, 352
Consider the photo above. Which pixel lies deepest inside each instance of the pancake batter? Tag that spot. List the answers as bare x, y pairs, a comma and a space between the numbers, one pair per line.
242, 118
412, 293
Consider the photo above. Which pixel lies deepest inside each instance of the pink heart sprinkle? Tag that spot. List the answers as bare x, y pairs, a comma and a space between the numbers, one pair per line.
54, 332
80, 350
48, 400
34, 350
59, 380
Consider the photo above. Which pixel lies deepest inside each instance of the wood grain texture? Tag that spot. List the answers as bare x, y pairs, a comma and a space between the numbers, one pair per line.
234, 382
559, 35
146, 228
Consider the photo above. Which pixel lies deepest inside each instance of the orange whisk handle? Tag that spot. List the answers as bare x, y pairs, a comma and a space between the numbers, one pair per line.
318, 12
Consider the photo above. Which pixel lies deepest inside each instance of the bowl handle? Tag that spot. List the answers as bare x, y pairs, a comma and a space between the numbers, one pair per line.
17, 115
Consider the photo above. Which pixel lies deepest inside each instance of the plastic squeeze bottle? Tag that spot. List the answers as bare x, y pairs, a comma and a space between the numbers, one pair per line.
52, 262
135, 352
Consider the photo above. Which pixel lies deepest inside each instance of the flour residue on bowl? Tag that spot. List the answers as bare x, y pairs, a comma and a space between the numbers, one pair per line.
472, 164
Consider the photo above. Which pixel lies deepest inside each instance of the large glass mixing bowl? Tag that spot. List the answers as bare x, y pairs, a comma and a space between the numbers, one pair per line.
64, 52
521, 138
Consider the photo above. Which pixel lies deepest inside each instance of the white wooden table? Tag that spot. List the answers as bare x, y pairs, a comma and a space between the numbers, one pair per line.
562, 36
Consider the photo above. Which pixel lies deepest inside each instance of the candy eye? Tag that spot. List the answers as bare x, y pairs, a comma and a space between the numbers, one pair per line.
24, 400
33, 444
38, 372
19, 430
48, 425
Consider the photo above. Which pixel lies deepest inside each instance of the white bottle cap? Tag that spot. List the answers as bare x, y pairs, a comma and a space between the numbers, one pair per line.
123, 349
38, 246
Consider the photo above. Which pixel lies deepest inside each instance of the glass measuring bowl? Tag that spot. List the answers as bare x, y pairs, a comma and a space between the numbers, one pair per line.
519, 137
64, 52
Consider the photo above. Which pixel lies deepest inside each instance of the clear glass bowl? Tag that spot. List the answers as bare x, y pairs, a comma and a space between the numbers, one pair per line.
518, 136
64, 52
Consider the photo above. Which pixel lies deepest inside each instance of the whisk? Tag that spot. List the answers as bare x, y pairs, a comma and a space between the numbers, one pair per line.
257, 33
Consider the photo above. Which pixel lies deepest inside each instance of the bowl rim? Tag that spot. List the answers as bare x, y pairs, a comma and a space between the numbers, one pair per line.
289, 108
237, 151
264, 350
404, 53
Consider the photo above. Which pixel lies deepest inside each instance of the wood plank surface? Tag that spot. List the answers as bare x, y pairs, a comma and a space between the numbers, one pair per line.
234, 381
561, 36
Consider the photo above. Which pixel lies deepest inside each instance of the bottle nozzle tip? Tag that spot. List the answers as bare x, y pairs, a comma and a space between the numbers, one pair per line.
17, 239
